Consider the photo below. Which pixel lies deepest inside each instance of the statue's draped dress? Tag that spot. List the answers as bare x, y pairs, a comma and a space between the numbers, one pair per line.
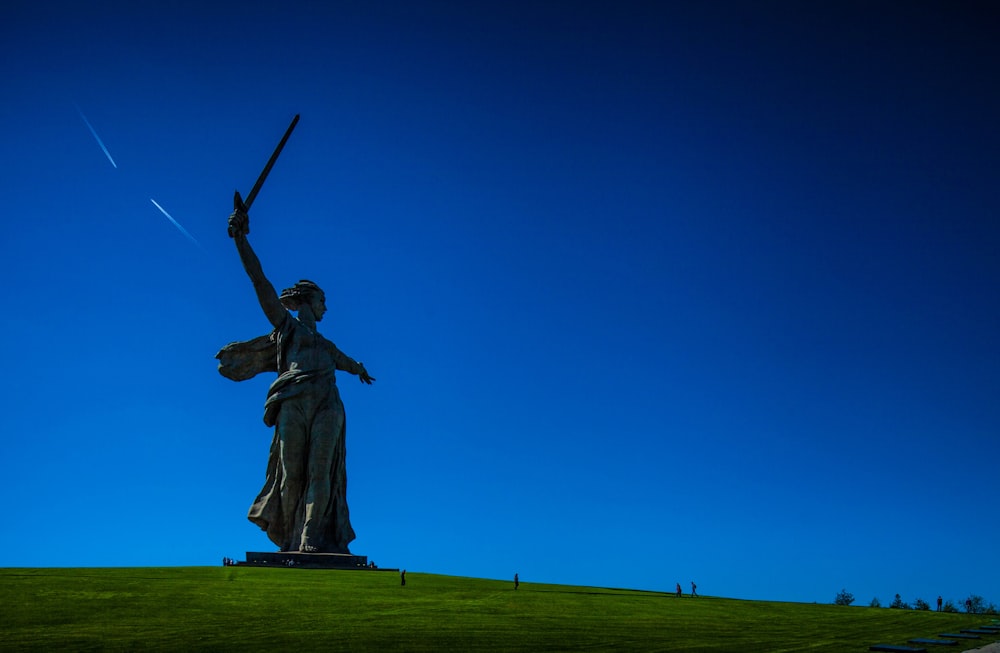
303, 505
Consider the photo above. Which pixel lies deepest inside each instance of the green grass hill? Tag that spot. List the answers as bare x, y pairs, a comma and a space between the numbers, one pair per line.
249, 609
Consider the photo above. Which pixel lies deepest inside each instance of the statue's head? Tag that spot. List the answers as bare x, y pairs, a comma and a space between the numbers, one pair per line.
305, 293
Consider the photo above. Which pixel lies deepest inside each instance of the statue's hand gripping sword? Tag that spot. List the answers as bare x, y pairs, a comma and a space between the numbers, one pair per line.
239, 203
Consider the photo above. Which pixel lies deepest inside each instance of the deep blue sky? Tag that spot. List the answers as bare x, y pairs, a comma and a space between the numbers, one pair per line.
654, 292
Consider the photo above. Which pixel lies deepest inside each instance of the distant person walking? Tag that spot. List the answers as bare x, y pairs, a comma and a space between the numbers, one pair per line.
679, 593
402, 578
939, 604
517, 581
694, 589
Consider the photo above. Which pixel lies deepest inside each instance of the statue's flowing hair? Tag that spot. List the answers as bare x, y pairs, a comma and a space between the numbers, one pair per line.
300, 293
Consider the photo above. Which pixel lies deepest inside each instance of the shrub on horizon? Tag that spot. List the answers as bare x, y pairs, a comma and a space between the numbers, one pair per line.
975, 604
949, 606
875, 603
843, 598
898, 604
921, 604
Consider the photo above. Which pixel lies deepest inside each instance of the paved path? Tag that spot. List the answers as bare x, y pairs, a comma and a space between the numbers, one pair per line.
989, 648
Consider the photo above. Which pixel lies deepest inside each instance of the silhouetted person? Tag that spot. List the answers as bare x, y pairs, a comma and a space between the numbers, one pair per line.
939, 604
679, 590
517, 581
402, 578
694, 589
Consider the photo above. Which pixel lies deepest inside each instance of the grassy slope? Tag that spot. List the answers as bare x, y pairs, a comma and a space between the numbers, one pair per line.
254, 609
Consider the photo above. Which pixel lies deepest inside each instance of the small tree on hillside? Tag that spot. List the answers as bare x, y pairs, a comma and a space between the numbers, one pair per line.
975, 604
949, 606
843, 598
875, 603
898, 604
921, 604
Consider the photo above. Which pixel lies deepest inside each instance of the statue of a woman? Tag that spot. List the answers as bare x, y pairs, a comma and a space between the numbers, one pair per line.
303, 506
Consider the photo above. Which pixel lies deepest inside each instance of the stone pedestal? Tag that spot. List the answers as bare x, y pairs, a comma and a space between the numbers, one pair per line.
305, 560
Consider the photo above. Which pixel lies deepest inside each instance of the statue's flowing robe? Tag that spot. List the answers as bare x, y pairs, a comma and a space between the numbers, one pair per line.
303, 505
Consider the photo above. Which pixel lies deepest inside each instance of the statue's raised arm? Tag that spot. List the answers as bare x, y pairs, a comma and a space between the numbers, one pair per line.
239, 227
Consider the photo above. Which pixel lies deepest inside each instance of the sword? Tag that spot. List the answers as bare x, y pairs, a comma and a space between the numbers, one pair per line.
245, 204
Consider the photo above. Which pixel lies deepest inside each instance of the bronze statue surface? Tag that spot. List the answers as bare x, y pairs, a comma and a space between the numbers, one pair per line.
303, 504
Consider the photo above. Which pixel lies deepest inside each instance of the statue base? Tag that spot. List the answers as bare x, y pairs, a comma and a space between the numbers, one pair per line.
305, 560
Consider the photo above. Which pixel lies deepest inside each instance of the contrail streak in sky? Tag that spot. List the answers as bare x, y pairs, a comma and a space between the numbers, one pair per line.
98, 138
176, 224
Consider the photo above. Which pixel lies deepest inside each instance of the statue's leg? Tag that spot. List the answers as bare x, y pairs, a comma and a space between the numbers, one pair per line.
326, 456
293, 441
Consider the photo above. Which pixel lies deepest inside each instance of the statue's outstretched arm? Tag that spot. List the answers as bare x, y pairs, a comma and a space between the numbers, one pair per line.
348, 364
239, 227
